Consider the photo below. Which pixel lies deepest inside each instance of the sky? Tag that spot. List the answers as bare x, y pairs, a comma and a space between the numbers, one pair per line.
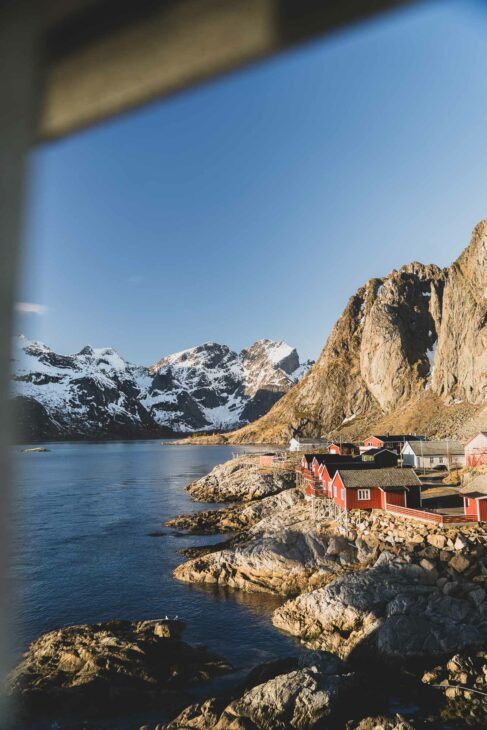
255, 205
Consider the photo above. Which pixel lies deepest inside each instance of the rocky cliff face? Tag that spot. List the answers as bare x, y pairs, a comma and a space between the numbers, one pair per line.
97, 394
409, 352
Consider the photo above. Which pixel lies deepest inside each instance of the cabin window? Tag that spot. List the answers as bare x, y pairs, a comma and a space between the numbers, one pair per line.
343, 495
440, 460
432, 461
363, 494
335, 490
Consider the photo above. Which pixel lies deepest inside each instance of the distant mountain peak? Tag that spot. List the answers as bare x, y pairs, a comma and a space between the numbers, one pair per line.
95, 392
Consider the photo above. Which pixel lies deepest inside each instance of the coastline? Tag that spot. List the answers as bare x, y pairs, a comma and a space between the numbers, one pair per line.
270, 543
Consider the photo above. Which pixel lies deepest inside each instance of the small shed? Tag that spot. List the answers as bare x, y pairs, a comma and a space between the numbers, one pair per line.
476, 450
380, 457
475, 497
271, 458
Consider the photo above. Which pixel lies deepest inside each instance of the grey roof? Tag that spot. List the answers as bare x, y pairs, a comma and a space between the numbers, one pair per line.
374, 450
476, 487
383, 478
436, 448
397, 437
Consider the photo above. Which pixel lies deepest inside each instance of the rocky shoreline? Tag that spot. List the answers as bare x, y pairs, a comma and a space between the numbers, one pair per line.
240, 480
375, 590
389, 612
110, 666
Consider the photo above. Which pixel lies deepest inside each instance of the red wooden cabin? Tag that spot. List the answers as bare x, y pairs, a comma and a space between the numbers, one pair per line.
309, 471
375, 488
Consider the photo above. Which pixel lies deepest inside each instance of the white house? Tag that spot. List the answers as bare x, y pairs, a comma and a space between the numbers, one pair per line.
297, 443
430, 454
476, 450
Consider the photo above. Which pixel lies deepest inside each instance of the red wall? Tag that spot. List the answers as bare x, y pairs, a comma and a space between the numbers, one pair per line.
375, 501
398, 498
316, 467
339, 486
483, 509
475, 459
470, 506
326, 481
372, 441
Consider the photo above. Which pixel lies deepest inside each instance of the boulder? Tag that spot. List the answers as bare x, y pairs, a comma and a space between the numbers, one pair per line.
297, 700
115, 665
382, 723
390, 609
459, 563
438, 541
285, 553
240, 480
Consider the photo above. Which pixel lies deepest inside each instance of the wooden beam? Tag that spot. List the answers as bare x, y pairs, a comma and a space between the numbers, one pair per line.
103, 58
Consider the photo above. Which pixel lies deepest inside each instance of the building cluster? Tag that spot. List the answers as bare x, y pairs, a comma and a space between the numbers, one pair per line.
375, 473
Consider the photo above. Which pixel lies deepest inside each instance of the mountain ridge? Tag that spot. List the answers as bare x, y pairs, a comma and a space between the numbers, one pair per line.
95, 393
409, 351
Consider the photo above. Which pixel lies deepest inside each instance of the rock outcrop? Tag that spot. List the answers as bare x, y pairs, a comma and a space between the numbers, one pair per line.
236, 518
116, 665
409, 351
240, 480
297, 700
291, 545
286, 552
391, 610
463, 680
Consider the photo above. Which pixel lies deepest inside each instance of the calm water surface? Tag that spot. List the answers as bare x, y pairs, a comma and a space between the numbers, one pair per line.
82, 553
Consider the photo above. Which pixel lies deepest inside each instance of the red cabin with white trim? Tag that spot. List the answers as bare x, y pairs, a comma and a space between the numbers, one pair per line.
375, 488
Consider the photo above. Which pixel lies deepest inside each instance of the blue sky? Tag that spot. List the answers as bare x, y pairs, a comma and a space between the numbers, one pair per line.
254, 206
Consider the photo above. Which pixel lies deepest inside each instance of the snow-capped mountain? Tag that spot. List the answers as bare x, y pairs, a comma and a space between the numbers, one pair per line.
96, 393
211, 387
91, 394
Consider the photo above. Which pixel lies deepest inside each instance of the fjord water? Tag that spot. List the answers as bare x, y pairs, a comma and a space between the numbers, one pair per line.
82, 552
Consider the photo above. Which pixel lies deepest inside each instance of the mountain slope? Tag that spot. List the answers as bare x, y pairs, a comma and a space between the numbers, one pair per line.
97, 394
409, 348
91, 394
212, 387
